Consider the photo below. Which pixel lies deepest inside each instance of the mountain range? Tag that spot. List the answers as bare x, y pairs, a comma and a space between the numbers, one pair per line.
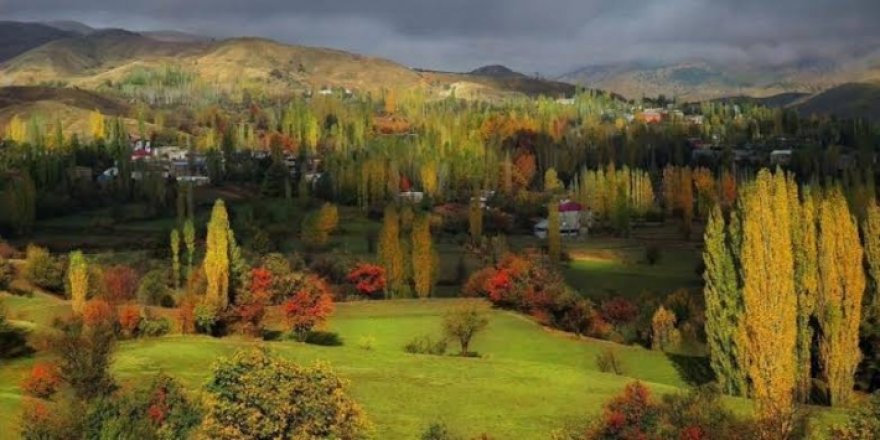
75, 55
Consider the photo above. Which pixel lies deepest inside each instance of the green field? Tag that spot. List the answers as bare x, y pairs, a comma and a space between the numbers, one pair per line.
528, 382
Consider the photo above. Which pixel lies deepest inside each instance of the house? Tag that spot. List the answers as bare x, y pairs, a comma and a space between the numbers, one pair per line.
570, 214
412, 196
780, 157
652, 116
695, 119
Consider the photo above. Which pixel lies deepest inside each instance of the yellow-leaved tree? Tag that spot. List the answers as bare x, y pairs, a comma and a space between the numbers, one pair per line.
216, 263
424, 258
78, 279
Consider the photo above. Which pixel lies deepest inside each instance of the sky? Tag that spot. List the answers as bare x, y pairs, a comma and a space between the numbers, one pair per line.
550, 37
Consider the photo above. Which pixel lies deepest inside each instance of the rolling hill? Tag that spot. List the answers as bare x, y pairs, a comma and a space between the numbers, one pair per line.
113, 56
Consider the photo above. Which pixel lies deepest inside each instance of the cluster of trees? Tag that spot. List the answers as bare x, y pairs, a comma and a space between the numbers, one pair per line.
785, 281
406, 252
615, 195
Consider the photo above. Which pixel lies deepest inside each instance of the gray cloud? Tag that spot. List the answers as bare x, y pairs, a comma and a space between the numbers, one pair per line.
550, 36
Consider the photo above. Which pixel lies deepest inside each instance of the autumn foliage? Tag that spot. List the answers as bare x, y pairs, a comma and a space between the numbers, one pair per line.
120, 283
98, 313
309, 306
43, 380
129, 319
368, 279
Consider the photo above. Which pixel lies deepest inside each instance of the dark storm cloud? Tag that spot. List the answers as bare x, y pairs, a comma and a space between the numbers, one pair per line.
550, 36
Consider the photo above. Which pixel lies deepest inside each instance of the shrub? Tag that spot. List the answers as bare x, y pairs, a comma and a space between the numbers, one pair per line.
334, 266
84, 357
664, 335
317, 226
205, 317
98, 313
43, 270
608, 362
368, 279
120, 283
43, 381
152, 328
426, 345
438, 431
863, 423
619, 311
7, 273
463, 323
129, 320
256, 392
366, 343
327, 339
153, 288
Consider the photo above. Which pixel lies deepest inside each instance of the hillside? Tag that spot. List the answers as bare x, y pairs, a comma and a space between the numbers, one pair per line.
19, 37
852, 100
70, 107
113, 57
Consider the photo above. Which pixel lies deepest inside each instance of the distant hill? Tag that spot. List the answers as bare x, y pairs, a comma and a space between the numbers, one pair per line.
18, 38
700, 79
111, 56
71, 26
496, 70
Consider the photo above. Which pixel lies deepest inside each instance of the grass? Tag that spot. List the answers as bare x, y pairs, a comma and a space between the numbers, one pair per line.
528, 382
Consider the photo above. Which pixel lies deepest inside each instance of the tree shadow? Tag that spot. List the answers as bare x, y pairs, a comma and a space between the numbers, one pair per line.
694, 370
13, 343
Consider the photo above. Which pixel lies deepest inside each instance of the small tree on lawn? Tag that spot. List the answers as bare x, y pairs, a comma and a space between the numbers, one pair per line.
308, 307
78, 276
463, 323
368, 279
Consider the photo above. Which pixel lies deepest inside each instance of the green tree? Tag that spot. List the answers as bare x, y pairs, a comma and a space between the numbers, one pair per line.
554, 232
475, 218
189, 240
175, 257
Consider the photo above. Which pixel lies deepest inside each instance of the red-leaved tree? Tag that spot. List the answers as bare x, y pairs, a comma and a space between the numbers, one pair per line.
43, 381
309, 306
368, 279
120, 283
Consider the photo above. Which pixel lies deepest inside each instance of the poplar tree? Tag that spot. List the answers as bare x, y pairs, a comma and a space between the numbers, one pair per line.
554, 234
768, 334
216, 264
806, 280
391, 252
841, 287
871, 238
724, 307
78, 278
424, 258
175, 257
189, 240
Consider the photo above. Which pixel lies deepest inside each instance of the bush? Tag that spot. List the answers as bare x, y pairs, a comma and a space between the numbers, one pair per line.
7, 273
608, 362
206, 318
153, 288
256, 392
426, 345
438, 431
327, 339
308, 307
619, 311
129, 320
120, 283
43, 270
43, 381
154, 327
367, 343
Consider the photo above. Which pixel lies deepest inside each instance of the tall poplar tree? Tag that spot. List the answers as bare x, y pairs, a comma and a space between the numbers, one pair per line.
724, 307
391, 252
175, 257
475, 218
768, 336
806, 281
424, 258
189, 240
841, 287
871, 239
78, 278
216, 264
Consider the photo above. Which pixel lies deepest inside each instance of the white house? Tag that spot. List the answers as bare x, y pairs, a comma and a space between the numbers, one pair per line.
569, 220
